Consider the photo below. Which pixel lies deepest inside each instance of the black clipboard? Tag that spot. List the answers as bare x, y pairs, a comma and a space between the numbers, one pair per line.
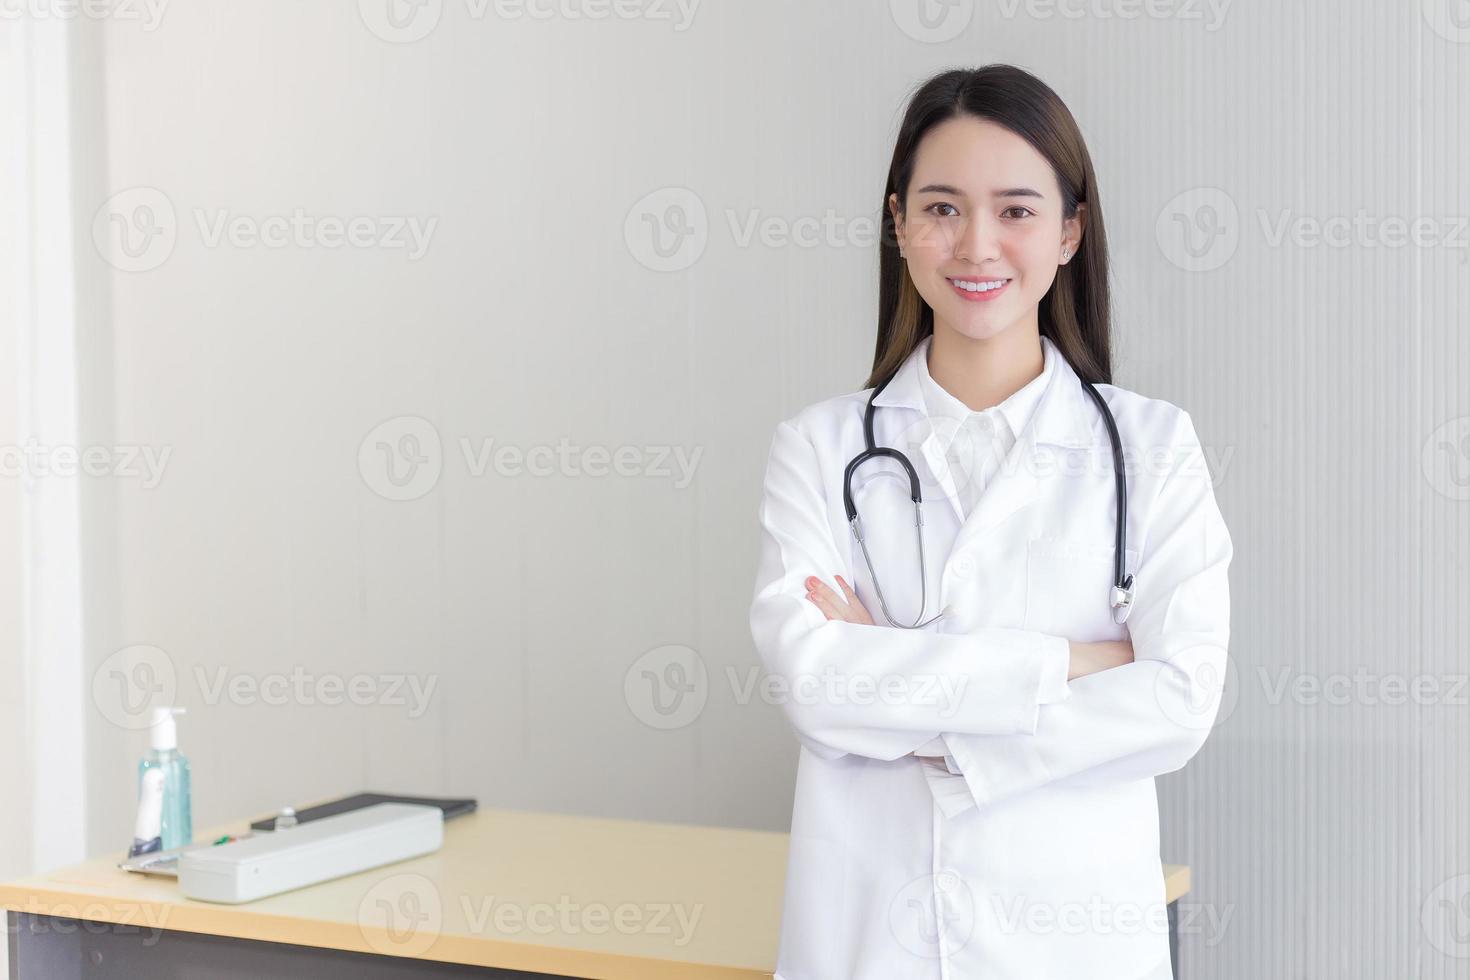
451, 807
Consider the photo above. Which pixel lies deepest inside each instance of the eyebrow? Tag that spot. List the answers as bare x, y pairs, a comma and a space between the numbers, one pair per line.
956, 192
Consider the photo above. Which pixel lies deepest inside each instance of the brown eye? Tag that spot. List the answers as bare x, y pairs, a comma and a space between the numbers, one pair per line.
942, 204
1024, 211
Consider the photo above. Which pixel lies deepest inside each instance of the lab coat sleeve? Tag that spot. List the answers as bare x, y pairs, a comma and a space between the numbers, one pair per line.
873, 691
1151, 716
1054, 669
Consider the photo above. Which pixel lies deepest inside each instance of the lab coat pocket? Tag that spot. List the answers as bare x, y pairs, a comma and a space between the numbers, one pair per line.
1069, 587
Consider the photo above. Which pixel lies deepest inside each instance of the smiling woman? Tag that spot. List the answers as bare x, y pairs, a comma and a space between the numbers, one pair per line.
988, 198
924, 831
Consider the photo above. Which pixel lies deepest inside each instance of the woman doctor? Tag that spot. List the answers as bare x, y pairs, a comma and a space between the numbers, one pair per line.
975, 790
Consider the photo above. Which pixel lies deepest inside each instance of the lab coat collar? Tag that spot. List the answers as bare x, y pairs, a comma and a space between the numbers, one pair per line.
1014, 411
1059, 419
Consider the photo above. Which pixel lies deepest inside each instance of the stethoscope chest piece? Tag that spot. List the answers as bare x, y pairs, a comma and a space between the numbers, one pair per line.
1123, 601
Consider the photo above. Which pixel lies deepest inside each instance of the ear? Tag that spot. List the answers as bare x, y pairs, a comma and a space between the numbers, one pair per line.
897, 212
1072, 229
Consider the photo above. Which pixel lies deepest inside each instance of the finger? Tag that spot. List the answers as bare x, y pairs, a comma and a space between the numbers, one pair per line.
826, 599
823, 605
822, 589
860, 612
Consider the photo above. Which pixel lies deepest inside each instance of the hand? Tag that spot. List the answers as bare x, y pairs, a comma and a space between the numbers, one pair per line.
1089, 658
845, 608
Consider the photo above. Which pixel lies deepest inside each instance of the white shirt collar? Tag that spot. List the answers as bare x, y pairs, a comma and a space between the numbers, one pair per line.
1016, 410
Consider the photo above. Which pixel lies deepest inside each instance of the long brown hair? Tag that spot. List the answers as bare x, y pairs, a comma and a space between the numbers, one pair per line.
1075, 312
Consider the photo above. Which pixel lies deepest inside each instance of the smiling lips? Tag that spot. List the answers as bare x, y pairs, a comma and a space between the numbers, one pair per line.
979, 290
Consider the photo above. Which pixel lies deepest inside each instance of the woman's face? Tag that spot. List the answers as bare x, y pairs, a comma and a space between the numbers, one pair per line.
983, 208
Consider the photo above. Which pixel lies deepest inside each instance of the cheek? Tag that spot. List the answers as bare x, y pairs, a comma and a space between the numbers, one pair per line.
1036, 256
1036, 247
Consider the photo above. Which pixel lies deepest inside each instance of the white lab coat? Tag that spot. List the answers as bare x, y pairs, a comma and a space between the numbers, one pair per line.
1038, 858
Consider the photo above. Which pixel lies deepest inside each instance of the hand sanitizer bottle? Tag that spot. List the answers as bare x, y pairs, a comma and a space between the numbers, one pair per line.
177, 824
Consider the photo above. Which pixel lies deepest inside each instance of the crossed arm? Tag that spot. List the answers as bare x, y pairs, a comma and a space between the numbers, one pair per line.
1133, 709
1083, 658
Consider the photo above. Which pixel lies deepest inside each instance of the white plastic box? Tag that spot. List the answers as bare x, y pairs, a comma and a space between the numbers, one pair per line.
278, 861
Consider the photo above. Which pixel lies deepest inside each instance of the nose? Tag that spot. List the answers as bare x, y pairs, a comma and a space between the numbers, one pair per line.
978, 239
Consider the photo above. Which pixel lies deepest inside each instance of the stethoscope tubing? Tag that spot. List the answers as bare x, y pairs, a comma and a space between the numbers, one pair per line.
1121, 595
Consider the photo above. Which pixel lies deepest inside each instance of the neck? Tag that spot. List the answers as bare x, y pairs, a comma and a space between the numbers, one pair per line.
984, 373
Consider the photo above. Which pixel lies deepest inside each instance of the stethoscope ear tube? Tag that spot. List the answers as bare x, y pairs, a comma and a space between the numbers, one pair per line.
863, 457
871, 451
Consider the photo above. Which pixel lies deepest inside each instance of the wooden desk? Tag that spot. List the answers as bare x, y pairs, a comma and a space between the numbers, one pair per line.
509, 891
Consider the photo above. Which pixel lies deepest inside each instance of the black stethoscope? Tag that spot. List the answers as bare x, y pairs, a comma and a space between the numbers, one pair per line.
1121, 595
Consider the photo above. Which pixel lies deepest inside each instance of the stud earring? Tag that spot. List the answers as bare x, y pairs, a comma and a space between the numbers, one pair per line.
1066, 252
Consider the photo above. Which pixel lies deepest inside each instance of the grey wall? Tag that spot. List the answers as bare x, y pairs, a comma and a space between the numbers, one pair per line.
1326, 376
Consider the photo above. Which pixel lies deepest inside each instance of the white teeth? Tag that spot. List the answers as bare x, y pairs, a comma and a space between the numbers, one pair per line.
979, 287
